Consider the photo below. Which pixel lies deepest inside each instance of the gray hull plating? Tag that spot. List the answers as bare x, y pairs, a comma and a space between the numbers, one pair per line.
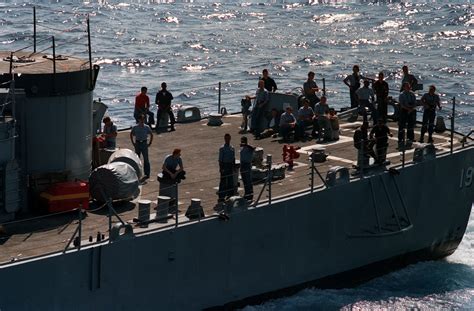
293, 241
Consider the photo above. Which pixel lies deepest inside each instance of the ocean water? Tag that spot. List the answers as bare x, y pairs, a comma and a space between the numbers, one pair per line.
194, 45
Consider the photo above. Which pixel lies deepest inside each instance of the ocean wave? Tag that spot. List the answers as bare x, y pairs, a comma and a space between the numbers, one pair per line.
220, 16
326, 19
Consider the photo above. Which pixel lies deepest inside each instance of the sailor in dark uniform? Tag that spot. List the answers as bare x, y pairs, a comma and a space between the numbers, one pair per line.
226, 169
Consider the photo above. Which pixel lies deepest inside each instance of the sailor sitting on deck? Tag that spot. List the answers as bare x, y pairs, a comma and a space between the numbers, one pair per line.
142, 106
321, 112
306, 118
288, 124
310, 88
273, 126
170, 168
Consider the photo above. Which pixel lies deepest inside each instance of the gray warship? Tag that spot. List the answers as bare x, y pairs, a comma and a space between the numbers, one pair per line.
319, 226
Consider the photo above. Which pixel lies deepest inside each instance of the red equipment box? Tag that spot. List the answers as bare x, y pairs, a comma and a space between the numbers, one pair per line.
66, 196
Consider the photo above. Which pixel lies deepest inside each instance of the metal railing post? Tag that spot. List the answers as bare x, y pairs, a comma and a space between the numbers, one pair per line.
219, 99
11, 63
54, 57
79, 234
34, 29
403, 152
269, 178
176, 207
324, 87
312, 174
452, 125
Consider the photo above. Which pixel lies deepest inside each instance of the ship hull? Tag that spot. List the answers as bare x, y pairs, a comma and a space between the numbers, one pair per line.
330, 238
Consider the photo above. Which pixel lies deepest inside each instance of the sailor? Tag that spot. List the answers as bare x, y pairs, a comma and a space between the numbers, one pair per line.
365, 98
141, 131
361, 143
246, 156
322, 114
142, 106
407, 117
408, 78
270, 84
109, 133
381, 91
273, 126
163, 101
379, 136
430, 100
288, 123
226, 169
173, 168
262, 98
353, 82
306, 118
310, 88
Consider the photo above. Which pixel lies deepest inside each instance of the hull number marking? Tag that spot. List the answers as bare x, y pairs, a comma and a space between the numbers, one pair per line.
467, 176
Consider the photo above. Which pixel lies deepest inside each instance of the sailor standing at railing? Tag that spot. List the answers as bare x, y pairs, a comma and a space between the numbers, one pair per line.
407, 117
246, 156
365, 98
381, 91
226, 169
353, 82
430, 100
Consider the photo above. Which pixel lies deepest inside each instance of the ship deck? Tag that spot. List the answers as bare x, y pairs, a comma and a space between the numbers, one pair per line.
200, 144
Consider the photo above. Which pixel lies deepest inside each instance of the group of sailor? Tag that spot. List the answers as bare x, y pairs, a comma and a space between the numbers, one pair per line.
314, 111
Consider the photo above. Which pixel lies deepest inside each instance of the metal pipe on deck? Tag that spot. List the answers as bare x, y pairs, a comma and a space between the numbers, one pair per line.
219, 99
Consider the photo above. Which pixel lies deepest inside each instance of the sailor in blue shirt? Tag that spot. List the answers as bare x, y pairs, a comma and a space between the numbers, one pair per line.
141, 143
246, 157
407, 116
430, 101
171, 164
226, 169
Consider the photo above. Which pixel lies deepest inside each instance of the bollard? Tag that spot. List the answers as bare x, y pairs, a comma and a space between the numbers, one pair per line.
144, 212
195, 210
162, 207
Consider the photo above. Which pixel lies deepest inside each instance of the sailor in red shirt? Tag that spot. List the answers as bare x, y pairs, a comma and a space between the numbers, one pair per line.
142, 106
